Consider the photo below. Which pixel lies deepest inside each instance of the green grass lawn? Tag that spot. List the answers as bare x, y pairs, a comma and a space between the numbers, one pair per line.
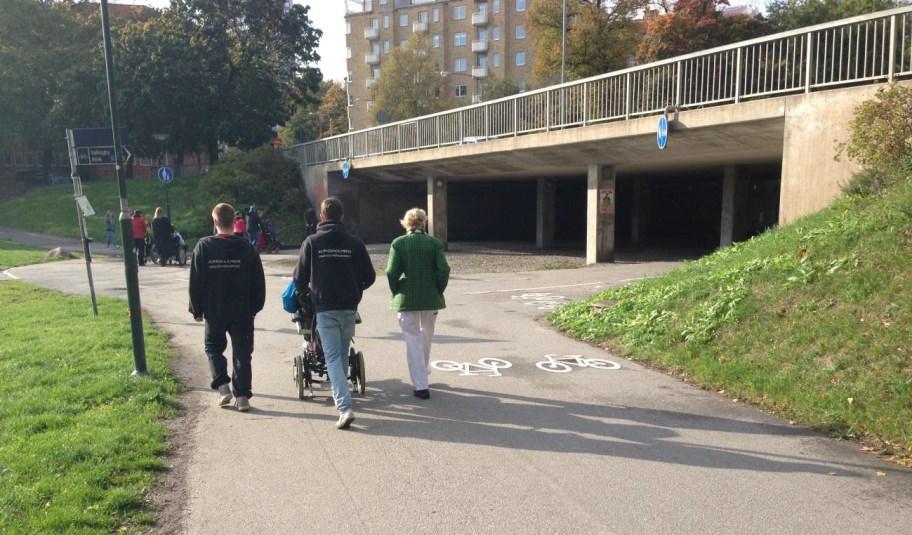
811, 321
80, 439
51, 210
13, 255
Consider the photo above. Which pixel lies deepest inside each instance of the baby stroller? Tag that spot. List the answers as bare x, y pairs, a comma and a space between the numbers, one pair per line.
311, 364
178, 251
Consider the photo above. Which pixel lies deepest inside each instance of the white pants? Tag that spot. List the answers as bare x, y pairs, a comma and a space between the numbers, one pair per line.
418, 329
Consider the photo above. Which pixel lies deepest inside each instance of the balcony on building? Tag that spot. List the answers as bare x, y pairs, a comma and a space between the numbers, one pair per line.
479, 72
480, 18
369, 83
480, 46
419, 27
371, 59
371, 34
476, 99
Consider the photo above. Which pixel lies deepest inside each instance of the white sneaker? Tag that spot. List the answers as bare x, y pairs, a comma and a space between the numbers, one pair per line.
345, 420
224, 395
243, 404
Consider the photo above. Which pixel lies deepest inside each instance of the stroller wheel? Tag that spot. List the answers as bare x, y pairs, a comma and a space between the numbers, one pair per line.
299, 376
182, 256
362, 384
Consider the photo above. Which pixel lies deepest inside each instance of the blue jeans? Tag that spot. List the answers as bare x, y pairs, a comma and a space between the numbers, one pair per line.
336, 329
254, 236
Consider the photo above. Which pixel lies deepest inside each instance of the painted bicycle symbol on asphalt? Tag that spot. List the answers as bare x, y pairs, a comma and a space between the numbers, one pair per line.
566, 363
544, 301
489, 367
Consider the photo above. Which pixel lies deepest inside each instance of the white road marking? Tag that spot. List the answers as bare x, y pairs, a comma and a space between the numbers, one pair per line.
539, 288
486, 366
10, 275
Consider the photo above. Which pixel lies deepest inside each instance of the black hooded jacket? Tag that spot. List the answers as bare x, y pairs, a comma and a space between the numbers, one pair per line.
226, 279
335, 266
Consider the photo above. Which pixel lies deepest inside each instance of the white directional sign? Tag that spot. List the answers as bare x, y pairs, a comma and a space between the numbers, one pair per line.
85, 206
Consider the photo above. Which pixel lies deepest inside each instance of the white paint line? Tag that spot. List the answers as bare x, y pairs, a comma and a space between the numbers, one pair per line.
10, 275
631, 280
531, 289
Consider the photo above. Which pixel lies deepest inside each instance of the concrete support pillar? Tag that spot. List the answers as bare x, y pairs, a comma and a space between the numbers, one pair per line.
635, 217
544, 217
729, 180
437, 209
600, 211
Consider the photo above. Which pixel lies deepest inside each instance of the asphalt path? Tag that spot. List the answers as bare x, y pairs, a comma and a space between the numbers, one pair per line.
507, 450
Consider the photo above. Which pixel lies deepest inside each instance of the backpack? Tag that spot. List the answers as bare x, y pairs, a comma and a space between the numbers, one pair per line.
289, 298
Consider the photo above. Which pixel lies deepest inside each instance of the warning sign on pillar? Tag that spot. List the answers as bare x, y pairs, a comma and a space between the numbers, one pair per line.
606, 201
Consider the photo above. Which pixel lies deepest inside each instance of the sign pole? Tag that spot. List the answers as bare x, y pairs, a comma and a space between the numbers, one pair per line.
77, 193
126, 228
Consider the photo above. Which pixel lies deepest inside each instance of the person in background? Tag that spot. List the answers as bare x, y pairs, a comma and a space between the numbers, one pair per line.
162, 232
418, 274
110, 236
254, 222
336, 268
139, 236
227, 291
240, 226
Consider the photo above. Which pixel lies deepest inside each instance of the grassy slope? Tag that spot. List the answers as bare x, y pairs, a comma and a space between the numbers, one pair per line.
51, 210
812, 321
80, 440
13, 254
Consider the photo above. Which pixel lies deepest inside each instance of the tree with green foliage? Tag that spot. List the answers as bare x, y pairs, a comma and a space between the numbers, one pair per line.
494, 87
694, 25
51, 72
327, 116
410, 83
254, 59
790, 14
600, 38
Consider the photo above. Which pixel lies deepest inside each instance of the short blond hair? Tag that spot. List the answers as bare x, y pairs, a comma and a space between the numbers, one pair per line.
414, 219
223, 215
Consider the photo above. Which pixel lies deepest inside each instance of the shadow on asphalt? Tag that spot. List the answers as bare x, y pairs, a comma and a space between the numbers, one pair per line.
438, 339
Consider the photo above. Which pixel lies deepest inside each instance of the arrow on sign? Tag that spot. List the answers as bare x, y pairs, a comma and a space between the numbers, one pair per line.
129, 154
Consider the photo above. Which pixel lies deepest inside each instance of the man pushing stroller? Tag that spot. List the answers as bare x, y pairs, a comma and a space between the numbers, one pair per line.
336, 267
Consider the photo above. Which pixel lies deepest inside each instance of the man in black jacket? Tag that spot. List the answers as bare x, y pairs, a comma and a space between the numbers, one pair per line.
227, 290
337, 269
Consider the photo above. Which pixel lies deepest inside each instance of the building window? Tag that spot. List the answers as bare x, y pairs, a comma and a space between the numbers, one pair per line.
368, 6
386, 47
402, 43
403, 20
482, 61
520, 32
386, 22
520, 5
520, 59
348, 28
496, 6
522, 85
423, 16
436, 39
461, 91
375, 24
495, 33
483, 8
375, 72
459, 65
459, 13
435, 14
460, 39
348, 52
383, 2
496, 59
350, 76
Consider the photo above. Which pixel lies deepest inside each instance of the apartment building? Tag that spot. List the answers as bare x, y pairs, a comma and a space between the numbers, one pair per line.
472, 40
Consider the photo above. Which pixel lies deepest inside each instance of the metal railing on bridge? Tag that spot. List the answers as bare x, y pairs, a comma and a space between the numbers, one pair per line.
864, 49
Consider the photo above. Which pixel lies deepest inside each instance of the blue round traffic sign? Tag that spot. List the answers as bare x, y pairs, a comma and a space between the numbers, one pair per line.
165, 175
346, 169
662, 132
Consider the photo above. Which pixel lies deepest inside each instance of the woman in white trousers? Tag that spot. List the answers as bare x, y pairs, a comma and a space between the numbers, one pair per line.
418, 274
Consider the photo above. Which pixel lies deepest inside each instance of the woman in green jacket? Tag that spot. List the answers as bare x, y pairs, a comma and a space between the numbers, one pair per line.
418, 274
